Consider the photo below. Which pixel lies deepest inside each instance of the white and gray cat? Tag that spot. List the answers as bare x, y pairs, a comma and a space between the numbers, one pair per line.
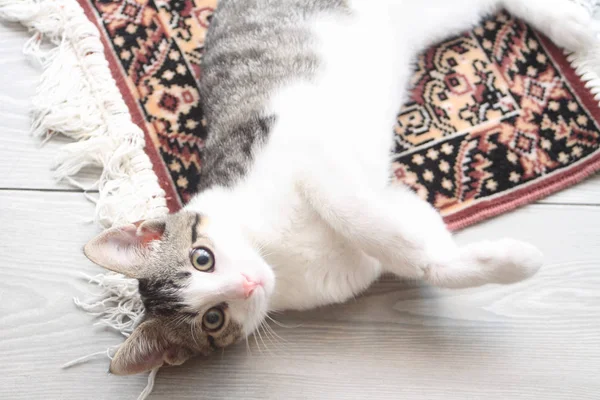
296, 209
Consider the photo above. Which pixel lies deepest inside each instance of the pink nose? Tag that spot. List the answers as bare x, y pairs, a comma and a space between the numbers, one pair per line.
249, 286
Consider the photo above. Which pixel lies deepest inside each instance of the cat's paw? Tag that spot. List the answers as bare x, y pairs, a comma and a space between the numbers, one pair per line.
506, 261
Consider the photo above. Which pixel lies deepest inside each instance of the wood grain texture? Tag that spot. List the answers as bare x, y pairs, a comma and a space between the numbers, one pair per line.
25, 162
586, 192
538, 339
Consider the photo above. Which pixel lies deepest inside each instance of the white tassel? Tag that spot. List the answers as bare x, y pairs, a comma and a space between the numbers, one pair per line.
587, 67
587, 63
77, 97
118, 304
148, 389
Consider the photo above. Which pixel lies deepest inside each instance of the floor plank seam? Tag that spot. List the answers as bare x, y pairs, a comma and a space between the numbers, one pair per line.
45, 190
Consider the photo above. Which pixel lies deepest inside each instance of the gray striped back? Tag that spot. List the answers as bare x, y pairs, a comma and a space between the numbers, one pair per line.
252, 48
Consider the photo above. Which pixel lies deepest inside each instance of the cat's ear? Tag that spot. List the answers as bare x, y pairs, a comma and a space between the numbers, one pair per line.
146, 348
125, 249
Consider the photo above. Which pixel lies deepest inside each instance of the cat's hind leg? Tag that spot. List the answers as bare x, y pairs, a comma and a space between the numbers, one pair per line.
442, 262
409, 237
503, 261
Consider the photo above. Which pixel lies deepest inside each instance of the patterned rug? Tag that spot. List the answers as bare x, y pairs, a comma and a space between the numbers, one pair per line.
498, 118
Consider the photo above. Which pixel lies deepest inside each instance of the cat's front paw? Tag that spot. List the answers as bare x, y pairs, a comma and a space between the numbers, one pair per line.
506, 261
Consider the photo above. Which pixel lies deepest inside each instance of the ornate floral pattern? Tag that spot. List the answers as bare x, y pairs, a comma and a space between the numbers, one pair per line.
496, 119
491, 111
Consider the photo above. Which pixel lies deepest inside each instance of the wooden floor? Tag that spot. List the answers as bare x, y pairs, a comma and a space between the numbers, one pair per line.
536, 340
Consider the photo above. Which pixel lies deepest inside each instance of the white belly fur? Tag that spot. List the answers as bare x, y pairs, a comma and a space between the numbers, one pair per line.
344, 118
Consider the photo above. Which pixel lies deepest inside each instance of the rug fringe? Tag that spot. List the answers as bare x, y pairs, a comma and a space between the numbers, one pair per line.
587, 64
78, 97
118, 304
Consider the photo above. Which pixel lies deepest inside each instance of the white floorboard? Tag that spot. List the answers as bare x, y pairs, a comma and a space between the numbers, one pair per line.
25, 162
586, 192
536, 340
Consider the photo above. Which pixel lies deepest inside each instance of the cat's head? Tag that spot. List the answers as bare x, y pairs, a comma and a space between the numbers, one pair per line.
203, 285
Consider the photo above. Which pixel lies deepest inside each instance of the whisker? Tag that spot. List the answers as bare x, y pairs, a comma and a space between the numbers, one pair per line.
276, 334
248, 347
192, 327
276, 342
283, 325
269, 338
262, 340
181, 319
272, 339
256, 340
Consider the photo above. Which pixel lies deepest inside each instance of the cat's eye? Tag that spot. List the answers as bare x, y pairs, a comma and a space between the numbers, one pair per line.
203, 259
213, 319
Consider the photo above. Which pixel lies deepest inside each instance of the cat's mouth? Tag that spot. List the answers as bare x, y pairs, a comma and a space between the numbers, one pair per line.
249, 286
256, 309
257, 295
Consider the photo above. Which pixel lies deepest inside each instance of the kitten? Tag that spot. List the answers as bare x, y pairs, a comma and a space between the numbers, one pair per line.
295, 208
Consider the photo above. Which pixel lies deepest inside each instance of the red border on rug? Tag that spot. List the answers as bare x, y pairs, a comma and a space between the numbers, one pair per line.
544, 186
471, 215
164, 178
